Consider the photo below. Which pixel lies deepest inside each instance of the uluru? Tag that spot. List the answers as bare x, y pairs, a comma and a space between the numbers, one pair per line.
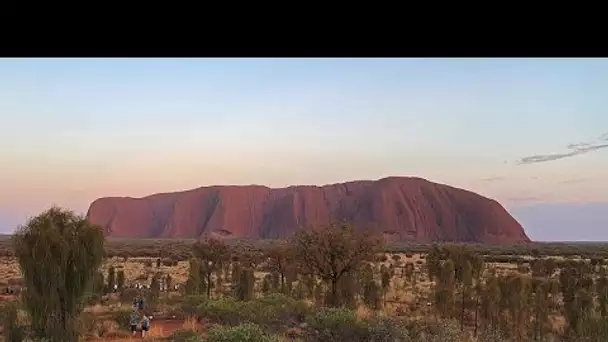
402, 208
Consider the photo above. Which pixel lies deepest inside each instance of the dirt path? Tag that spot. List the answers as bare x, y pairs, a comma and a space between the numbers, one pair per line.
163, 328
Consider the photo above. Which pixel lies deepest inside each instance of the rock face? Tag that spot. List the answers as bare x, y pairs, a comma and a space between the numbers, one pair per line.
406, 209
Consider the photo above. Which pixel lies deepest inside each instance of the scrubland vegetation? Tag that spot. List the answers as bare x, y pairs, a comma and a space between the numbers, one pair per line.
63, 281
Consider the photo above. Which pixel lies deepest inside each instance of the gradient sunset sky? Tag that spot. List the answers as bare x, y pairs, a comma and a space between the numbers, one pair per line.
529, 133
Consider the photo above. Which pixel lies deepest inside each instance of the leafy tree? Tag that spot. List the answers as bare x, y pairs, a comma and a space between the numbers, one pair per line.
444, 289
549, 267
386, 281
98, 285
120, 279
245, 287
281, 260
111, 279
569, 284
275, 281
300, 291
371, 295
168, 282
347, 291
433, 262
490, 304
193, 284
212, 253
591, 328
408, 272
13, 329
155, 286
266, 284
466, 288
364, 276
236, 273
333, 252
517, 300
541, 307
602, 293
59, 254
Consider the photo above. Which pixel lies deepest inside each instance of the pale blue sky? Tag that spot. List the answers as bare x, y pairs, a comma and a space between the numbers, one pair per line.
73, 130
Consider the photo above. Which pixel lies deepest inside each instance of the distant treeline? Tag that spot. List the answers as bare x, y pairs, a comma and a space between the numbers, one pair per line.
181, 249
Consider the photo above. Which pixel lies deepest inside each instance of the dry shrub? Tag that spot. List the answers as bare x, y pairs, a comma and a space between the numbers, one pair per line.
156, 330
106, 327
362, 312
190, 323
117, 335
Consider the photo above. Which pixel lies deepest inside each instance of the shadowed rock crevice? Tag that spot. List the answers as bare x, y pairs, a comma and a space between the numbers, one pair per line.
408, 209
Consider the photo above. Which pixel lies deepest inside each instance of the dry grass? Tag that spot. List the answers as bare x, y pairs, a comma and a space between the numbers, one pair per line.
402, 298
190, 323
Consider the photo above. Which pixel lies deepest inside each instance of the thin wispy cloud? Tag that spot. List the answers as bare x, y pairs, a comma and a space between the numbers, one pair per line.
526, 199
579, 145
574, 180
493, 179
575, 150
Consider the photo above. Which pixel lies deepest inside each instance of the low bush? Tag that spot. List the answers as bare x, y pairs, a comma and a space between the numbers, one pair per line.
169, 262
128, 295
272, 313
386, 329
340, 324
188, 306
13, 325
334, 324
443, 331
122, 318
185, 336
247, 332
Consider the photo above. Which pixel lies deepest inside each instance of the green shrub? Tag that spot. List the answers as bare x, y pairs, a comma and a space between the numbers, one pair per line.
241, 333
444, 331
492, 335
385, 329
272, 313
122, 318
340, 324
128, 295
188, 306
185, 336
14, 329
277, 310
335, 324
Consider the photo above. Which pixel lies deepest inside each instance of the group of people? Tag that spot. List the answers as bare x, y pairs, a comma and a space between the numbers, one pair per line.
138, 305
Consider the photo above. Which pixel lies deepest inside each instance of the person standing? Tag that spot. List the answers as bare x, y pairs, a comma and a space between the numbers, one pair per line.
145, 325
133, 323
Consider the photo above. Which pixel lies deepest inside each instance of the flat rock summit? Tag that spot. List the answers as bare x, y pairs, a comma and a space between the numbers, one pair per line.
401, 208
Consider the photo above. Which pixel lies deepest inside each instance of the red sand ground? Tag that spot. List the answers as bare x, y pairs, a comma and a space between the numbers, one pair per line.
162, 328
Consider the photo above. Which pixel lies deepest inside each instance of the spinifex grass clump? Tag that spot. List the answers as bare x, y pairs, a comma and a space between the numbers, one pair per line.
59, 254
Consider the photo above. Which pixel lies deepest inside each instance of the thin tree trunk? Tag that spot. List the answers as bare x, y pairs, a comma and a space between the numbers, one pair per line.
334, 292
476, 313
537, 325
462, 312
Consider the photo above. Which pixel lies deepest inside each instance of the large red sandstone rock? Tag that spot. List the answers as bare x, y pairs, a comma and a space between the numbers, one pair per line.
410, 209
